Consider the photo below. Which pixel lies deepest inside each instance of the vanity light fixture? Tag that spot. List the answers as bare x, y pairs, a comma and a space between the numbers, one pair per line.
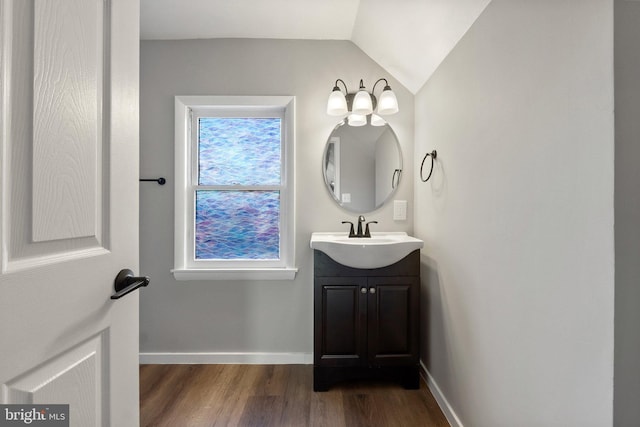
362, 104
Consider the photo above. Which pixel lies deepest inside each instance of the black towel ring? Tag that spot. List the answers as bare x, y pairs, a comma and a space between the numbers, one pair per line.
433, 155
394, 182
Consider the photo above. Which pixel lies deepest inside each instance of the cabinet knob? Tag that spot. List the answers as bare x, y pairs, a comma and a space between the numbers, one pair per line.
363, 290
372, 290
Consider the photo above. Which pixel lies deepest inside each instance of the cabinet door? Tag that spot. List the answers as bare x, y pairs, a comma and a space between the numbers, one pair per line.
393, 310
340, 321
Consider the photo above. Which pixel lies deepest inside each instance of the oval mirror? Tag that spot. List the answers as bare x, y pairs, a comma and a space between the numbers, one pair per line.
362, 166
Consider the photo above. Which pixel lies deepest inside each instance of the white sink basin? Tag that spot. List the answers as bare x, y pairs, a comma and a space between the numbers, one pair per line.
379, 250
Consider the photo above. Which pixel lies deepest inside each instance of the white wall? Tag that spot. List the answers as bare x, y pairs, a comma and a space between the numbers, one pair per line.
627, 216
518, 264
246, 317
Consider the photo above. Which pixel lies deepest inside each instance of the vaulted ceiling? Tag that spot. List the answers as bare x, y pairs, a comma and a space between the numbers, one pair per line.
408, 38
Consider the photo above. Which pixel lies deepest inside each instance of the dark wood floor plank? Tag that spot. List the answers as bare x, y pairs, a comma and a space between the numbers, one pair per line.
327, 409
272, 381
262, 411
275, 395
166, 395
193, 407
237, 391
358, 409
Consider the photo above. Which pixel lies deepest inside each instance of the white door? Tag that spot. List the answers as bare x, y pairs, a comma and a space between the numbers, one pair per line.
69, 206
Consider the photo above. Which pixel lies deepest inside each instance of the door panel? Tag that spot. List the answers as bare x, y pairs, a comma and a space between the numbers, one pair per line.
69, 146
393, 314
393, 305
73, 378
68, 52
341, 321
55, 181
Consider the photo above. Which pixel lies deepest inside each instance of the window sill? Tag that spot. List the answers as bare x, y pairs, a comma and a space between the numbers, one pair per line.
288, 273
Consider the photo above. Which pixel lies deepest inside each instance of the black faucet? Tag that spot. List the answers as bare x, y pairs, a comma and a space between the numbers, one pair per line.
351, 232
366, 230
360, 221
360, 233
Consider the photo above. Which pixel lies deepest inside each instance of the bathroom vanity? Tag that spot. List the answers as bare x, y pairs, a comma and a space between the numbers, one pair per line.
366, 285
366, 321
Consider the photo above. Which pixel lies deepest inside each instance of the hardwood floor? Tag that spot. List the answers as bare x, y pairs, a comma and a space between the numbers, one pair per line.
274, 395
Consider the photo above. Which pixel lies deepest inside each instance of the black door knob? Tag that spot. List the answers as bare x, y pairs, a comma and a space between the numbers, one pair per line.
126, 283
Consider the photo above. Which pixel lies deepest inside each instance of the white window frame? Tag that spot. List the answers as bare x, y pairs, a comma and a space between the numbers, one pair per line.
187, 109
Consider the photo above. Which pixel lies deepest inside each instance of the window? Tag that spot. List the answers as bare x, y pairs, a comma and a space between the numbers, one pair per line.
234, 188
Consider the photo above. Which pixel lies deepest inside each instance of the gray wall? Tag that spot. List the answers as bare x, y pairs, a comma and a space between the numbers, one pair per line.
386, 165
246, 317
357, 166
518, 265
627, 216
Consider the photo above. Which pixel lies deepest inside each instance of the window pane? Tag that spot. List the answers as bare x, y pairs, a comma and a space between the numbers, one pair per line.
238, 225
239, 151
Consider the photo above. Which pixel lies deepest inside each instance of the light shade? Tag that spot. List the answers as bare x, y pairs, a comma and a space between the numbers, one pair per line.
362, 104
337, 103
357, 120
376, 120
388, 103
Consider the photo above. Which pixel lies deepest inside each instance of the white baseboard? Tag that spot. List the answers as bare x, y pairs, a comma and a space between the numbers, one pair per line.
446, 408
227, 358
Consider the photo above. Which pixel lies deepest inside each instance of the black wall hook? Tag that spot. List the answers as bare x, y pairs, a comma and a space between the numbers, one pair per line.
434, 155
160, 180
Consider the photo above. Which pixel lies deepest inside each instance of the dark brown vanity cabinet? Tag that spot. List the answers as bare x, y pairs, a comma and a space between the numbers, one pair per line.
366, 322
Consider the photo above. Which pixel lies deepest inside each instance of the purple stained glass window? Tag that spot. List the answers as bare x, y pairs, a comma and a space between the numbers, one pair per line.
239, 151
237, 225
